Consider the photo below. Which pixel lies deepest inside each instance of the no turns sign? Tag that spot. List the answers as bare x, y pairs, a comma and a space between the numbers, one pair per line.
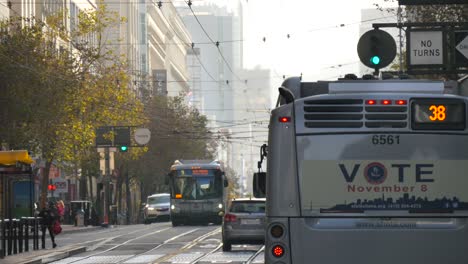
426, 48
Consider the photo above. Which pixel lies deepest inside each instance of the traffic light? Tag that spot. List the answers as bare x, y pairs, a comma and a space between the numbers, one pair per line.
376, 49
123, 148
51, 187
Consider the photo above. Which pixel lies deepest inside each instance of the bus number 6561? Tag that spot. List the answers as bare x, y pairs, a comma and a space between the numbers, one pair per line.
385, 139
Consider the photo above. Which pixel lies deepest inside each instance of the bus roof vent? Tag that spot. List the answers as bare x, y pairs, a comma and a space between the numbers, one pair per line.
390, 86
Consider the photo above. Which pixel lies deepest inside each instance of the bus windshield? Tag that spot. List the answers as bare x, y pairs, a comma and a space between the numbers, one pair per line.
351, 174
189, 185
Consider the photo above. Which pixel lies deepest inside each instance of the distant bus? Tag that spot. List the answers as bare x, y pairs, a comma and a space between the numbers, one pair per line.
367, 171
198, 192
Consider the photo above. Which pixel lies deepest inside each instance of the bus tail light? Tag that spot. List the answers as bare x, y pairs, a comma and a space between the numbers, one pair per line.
386, 102
371, 102
230, 218
285, 119
401, 102
276, 231
277, 251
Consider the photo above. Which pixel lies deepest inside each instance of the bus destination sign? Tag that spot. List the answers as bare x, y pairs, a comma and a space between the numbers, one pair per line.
438, 114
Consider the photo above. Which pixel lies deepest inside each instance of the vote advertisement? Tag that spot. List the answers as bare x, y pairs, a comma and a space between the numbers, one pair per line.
425, 186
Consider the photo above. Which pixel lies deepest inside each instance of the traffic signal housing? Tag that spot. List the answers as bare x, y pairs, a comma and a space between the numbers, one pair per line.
376, 49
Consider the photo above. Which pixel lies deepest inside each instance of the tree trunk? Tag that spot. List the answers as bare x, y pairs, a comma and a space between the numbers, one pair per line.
90, 180
83, 187
45, 184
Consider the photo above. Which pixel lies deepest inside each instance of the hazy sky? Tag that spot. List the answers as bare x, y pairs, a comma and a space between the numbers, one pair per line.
317, 43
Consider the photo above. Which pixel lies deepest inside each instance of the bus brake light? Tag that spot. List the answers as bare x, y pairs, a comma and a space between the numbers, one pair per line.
401, 102
278, 251
386, 102
370, 102
285, 119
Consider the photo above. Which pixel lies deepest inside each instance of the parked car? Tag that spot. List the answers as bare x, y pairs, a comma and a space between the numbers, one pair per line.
244, 223
157, 207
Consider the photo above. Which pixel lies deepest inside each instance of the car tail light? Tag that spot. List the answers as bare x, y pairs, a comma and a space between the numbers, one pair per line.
230, 218
277, 231
277, 251
285, 119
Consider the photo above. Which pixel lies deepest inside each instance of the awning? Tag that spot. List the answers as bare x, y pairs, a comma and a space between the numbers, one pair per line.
9, 158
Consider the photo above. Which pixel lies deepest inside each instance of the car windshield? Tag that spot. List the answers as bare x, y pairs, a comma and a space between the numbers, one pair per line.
158, 199
248, 207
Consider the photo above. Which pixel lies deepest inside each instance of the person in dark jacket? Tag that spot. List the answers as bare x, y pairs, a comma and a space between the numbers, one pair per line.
49, 216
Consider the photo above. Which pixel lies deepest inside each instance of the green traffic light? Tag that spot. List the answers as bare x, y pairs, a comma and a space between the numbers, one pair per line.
375, 60
123, 148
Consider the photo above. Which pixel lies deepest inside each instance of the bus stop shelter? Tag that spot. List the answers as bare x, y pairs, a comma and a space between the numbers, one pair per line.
16, 184
16, 203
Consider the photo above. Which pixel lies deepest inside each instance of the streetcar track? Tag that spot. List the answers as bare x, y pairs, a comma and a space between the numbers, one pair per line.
207, 254
249, 261
126, 242
94, 247
160, 245
189, 245
168, 256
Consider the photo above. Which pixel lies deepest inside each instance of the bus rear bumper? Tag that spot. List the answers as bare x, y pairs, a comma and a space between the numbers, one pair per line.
370, 240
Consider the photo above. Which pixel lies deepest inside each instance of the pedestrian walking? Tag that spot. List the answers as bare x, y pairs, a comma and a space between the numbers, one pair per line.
60, 210
49, 217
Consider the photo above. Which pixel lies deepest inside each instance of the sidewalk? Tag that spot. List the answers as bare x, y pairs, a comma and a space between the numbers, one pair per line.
49, 255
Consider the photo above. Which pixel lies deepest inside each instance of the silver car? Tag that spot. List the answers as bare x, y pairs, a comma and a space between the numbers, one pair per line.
157, 207
244, 223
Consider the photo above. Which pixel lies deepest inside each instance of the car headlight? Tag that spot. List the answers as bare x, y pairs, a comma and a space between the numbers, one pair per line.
150, 208
220, 206
172, 207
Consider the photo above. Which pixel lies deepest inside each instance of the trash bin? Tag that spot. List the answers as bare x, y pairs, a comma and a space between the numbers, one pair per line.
79, 218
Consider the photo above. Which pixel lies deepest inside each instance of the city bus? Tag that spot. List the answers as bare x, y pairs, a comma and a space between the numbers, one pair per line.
198, 192
366, 171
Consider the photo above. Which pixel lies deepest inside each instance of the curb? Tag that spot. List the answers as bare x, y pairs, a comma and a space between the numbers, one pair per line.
82, 230
56, 256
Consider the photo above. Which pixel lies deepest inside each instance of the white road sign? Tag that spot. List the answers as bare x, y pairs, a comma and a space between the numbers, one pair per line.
142, 136
426, 48
462, 47
61, 184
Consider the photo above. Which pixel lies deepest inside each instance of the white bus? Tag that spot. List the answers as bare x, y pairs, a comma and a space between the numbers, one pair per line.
367, 171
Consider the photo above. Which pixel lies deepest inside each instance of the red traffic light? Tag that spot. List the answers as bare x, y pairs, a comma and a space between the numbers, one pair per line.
51, 187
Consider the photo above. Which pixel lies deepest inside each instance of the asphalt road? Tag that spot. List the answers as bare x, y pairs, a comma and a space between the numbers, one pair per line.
157, 243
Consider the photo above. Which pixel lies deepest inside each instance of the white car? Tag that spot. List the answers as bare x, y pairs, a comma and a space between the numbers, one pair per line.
157, 207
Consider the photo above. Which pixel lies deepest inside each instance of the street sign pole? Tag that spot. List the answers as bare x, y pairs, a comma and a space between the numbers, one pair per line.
106, 179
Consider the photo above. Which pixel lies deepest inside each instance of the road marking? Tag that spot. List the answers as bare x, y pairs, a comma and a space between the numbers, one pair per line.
185, 257
67, 260
104, 259
225, 257
143, 259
